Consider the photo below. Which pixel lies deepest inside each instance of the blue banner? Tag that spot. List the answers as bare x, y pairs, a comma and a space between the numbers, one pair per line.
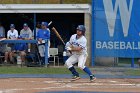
116, 28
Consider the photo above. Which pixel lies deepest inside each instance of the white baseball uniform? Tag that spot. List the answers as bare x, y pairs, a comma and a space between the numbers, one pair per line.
79, 57
12, 35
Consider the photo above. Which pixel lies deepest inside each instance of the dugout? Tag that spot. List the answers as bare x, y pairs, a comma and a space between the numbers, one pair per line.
65, 18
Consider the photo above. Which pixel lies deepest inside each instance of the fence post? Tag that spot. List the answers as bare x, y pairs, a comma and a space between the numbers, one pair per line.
46, 53
132, 62
34, 26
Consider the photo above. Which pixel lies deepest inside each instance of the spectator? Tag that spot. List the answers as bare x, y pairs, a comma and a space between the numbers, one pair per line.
26, 34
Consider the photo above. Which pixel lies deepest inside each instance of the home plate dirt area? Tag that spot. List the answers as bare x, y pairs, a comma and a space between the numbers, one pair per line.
63, 85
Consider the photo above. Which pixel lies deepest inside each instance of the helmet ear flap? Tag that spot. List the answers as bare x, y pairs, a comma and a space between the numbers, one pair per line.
83, 33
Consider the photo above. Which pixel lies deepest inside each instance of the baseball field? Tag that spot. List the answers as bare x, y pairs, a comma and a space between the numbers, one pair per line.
58, 80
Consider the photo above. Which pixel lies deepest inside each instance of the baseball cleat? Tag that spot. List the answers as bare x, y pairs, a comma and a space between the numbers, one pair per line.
92, 78
75, 78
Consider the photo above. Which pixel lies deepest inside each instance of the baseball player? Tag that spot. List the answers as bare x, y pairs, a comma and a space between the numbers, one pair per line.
78, 46
19, 48
42, 35
12, 33
26, 34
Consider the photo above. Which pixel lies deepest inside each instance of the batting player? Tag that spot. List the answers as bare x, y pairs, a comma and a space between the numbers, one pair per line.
42, 35
78, 46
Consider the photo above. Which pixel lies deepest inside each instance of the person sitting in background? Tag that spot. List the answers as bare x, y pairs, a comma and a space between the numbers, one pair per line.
4, 50
2, 31
12, 34
19, 49
26, 34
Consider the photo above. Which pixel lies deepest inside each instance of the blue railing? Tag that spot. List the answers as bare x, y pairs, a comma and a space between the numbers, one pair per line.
30, 41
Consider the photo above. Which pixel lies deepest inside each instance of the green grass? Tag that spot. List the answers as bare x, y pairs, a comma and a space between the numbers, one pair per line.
133, 72
35, 70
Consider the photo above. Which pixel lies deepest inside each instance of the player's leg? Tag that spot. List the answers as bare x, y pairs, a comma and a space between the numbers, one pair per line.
69, 63
81, 64
7, 52
48, 52
42, 54
6, 57
22, 55
29, 47
11, 56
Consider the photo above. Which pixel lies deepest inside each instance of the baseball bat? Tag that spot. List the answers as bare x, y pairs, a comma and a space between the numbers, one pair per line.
58, 35
50, 23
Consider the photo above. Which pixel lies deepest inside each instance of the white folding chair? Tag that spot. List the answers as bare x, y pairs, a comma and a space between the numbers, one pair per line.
54, 54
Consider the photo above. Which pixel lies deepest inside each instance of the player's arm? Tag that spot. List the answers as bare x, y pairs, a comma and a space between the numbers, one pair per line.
38, 37
76, 49
69, 43
8, 34
81, 46
16, 34
31, 34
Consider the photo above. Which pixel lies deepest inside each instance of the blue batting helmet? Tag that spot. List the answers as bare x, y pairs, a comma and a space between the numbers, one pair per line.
81, 28
44, 23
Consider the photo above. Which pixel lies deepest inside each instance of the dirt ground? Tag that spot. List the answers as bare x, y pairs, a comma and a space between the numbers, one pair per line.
37, 85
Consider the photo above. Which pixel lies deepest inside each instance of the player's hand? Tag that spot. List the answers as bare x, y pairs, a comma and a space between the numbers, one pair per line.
68, 48
40, 40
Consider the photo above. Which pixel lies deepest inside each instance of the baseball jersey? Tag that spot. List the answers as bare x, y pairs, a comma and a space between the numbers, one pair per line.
26, 33
43, 34
12, 35
80, 42
20, 47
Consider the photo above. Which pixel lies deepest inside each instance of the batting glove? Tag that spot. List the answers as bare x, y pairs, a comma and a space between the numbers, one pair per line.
68, 48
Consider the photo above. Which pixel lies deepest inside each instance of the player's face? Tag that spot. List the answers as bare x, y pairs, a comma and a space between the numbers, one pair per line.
43, 26
12, 29
25, 27
79, 33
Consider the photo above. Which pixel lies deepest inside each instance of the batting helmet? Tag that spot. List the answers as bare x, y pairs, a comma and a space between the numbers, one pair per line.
81, 28
44, 23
